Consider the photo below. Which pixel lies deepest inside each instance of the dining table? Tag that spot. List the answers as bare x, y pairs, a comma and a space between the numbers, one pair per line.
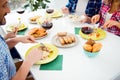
75, 64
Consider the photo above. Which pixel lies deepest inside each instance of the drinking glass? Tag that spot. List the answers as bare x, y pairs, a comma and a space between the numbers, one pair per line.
47, 25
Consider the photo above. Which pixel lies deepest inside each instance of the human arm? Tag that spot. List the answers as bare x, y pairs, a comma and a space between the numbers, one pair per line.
13, 41
111, 23
85, 18
9, 35
33, 57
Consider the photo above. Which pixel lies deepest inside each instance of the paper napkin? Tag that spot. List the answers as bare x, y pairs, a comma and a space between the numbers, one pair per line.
54, 65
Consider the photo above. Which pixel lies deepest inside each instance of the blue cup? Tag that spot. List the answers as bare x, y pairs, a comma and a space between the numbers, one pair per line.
91, 54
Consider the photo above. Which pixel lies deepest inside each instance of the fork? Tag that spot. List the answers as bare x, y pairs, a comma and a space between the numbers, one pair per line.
43, 45
46, 48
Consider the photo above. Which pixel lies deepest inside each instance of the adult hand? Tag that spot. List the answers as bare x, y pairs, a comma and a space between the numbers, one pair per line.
26, 39
11, 34
65, 10
34, 56
111, 23
95, 19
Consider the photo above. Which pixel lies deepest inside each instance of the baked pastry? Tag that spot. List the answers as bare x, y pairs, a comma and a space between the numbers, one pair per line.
65, 38
34, 18
97, 47
37, 32
92, 46
69, 39
72, 38
61, 40
88, 47
61, 34
90, 42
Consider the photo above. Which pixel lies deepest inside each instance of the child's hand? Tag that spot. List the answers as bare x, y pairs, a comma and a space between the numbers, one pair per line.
111, 23
95, 19
85, 18
65, 10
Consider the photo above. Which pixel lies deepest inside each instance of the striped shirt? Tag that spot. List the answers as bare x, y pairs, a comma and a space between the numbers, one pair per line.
7, 67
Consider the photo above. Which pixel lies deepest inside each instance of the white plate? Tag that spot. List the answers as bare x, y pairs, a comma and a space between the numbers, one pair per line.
36, 16
56, 42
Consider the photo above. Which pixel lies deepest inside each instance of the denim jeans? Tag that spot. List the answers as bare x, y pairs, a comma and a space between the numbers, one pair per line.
14, 53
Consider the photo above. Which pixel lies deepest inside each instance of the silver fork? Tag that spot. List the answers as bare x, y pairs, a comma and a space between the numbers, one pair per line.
43, 45
46, 48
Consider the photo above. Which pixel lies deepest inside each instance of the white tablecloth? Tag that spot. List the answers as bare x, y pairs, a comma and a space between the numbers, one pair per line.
76, 65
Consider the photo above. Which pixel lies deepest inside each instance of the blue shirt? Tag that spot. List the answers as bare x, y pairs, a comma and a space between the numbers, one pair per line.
7, 67
93, 7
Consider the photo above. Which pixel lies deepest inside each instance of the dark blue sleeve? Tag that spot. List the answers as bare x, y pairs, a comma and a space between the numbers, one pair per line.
93, 7
72, 5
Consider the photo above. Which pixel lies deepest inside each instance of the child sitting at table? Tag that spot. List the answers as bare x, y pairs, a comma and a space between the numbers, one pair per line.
92, 8
109, 16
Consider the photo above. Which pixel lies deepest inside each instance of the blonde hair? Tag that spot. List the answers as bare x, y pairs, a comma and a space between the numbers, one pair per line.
107, 1
110, 2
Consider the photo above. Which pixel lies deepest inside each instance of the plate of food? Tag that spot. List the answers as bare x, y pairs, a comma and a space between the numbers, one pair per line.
54, 13
74, 17
37, 33
11, 27
64, 40
34, 19
50, 52
92, 33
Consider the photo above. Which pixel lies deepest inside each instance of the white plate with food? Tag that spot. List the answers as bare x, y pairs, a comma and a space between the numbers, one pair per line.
34, 19
64, 40
55, 14
74, 17
37, 33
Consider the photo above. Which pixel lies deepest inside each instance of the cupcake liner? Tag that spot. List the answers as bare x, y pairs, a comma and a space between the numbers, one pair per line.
91, 54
